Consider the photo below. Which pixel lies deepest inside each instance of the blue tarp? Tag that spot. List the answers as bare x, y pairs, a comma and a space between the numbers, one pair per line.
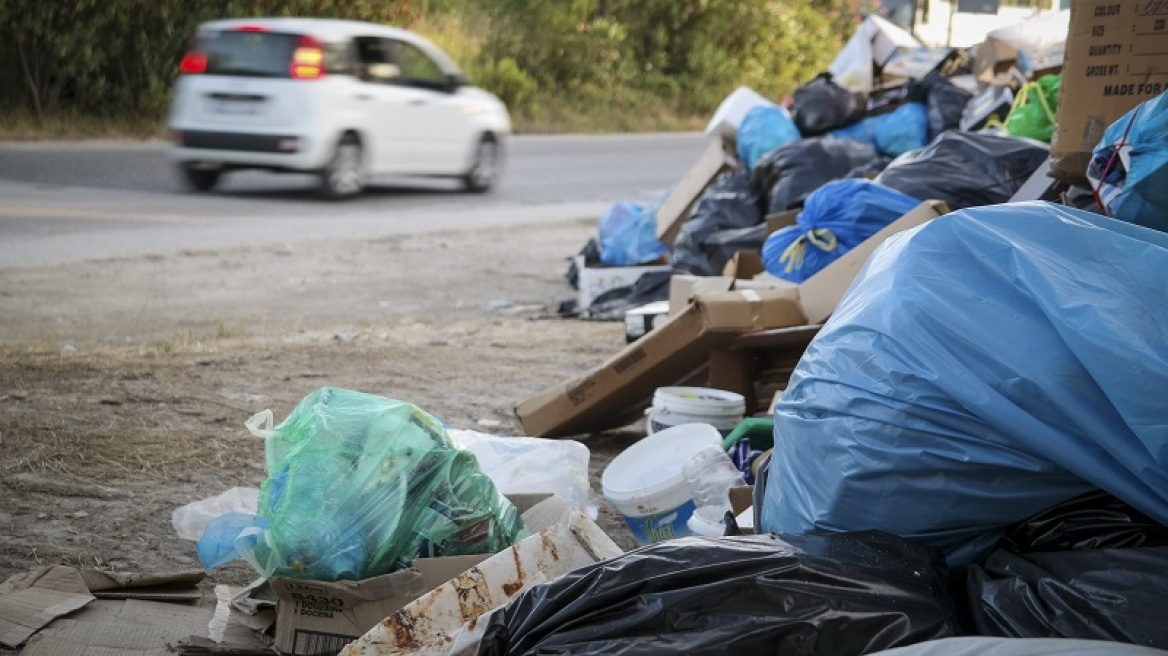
983, 367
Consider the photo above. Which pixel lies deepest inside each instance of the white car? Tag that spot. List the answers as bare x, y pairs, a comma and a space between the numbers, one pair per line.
343, 99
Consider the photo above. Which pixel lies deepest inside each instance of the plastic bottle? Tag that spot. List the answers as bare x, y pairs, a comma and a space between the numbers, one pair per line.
710, 474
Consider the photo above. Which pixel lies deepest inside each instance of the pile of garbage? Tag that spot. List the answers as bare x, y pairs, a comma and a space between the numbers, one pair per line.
900, 385
966, 126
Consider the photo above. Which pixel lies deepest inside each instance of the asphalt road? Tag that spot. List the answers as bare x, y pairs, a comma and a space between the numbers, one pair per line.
69, 201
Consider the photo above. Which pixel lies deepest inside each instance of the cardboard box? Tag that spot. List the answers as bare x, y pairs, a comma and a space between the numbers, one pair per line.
315, 617
594, 281
683, 288
675, 208
617, 392
1116, 58
759, 365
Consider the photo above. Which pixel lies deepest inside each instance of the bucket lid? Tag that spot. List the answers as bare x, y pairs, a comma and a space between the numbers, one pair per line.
699, 400
653, 465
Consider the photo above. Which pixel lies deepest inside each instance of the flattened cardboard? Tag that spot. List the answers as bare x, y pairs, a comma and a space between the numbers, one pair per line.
617, 392
51, 593
323, 616
675, 208
1116, 58
178, 586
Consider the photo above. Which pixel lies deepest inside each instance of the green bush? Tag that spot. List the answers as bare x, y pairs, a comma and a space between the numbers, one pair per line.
559, 64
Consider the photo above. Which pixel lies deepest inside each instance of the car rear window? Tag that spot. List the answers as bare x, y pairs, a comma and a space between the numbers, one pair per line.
244, 53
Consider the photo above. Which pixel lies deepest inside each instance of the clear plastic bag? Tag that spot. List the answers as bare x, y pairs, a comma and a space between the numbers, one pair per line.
524, 465
360, 485
190, 520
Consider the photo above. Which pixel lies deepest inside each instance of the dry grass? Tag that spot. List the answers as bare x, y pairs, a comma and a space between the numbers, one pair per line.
23, 125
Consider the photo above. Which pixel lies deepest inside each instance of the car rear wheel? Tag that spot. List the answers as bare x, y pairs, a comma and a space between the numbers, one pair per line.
344, 177
200, 178
484, 172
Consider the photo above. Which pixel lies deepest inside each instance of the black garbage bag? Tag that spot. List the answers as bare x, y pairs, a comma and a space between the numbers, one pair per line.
1097, 520
966, 169
730, 203
612, 304
762, 594
591, 253
944, 100
822, 105
1100, 594
870, 170
788, 175
721, 246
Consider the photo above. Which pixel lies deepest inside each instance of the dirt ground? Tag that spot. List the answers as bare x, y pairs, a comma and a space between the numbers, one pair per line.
125, 383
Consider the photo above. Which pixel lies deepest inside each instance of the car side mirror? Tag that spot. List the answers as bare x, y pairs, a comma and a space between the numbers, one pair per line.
455, 80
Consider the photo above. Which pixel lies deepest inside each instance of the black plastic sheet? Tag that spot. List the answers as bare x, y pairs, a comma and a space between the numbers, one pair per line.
1096, 520
788, 175
1101, 594
612, 304
729, 204
966, 169
808, 594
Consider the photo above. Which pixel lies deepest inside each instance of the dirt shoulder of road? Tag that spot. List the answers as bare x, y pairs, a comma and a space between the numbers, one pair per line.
125, 383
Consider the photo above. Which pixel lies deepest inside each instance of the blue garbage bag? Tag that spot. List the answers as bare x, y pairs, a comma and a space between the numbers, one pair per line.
217, 544
763, 129
983, 367
628, 234
835, 219
895, 133
1132, 174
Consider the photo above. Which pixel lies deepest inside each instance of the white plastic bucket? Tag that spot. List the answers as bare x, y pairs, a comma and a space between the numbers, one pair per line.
646, 485
673, 406
707, 521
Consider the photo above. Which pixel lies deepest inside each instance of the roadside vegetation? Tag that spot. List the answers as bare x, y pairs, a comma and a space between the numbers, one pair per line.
104, 68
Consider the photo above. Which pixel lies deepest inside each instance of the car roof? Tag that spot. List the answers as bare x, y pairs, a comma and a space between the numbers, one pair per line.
332, 29
326, 28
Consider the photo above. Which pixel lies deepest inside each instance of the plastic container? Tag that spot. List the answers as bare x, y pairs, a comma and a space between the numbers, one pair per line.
673, 406
707, 522
646, 485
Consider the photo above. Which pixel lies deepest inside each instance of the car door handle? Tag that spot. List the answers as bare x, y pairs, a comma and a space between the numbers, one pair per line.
418, 101
363, 96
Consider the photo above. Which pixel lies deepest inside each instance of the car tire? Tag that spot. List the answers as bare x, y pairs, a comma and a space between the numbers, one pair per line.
344, 176
200, 178
484, 171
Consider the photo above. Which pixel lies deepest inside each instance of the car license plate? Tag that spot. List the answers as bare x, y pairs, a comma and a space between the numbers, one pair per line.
234, 107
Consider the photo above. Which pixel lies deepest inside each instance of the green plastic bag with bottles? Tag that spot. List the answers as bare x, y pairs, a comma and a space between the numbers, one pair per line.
359, 485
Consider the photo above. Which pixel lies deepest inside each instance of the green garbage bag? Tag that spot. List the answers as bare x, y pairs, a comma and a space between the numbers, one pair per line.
1033, 113
360, 485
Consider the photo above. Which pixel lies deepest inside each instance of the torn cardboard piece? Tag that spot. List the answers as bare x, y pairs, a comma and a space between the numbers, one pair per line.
427, 626
49, 593
676, 206
178, 586
617, 392
316, 617
1116, 58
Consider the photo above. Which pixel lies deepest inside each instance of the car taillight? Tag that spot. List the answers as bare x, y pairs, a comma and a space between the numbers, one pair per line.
193, 63
308, 59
